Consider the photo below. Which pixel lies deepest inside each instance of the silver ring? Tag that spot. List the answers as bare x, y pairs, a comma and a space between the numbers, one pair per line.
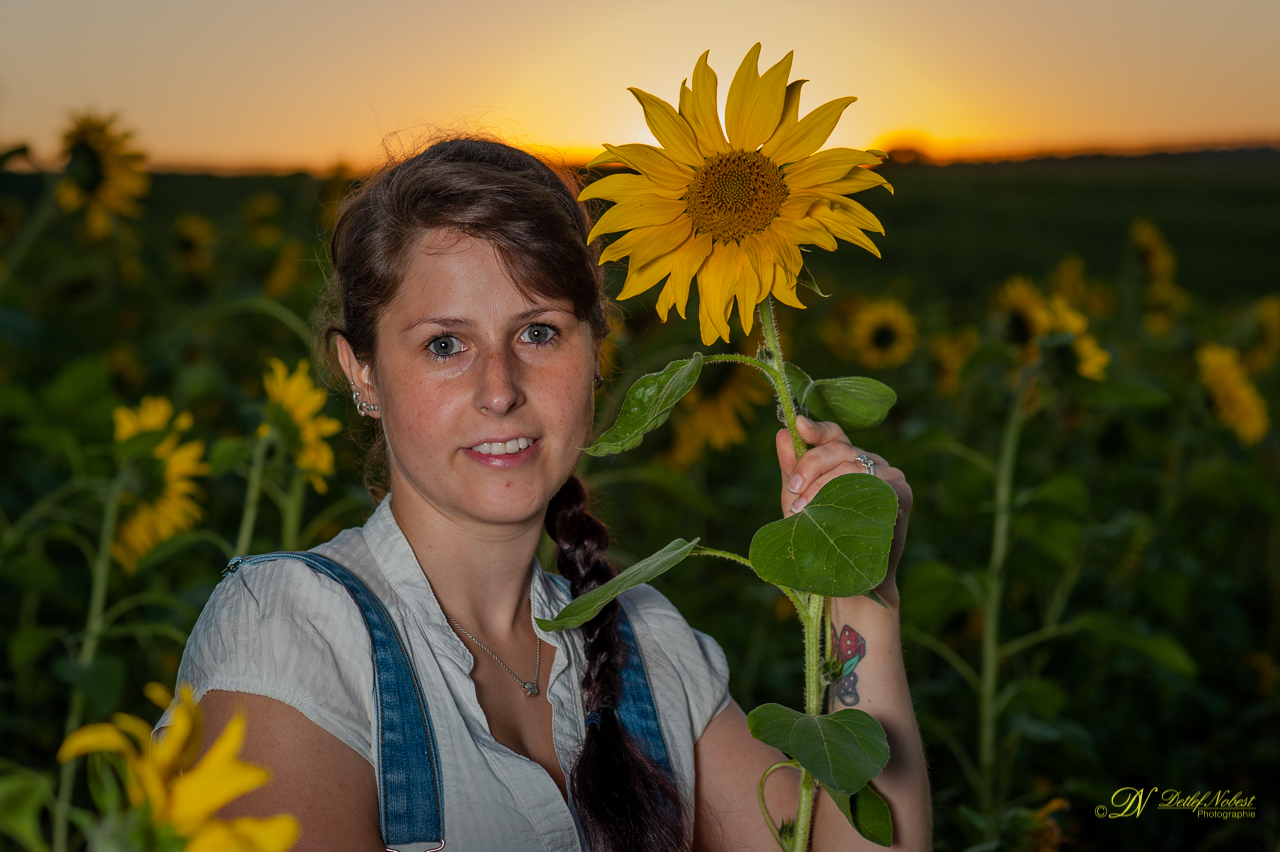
868, 463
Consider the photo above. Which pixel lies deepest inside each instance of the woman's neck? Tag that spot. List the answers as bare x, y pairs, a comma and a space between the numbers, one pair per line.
479, 572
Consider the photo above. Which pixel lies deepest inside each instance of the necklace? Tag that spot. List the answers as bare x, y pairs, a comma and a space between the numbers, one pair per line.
530, 687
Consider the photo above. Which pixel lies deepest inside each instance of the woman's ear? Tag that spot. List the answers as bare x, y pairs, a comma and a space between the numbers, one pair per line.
359, 379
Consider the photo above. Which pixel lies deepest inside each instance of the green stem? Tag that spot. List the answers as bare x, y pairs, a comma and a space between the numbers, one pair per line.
814, 618
101, 575
778, 369
764, 808
723, 554
987, 711
40, 218
252, 496
292, 519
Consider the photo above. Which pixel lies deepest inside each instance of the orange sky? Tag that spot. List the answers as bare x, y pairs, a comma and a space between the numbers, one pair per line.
288, 84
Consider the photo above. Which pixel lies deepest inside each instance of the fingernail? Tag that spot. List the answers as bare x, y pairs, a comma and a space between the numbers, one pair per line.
805, 421
800, 503
794, 483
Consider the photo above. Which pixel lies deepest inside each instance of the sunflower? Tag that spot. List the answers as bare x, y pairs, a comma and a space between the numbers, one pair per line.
1091, 359
950, 352
194, 237
297, 397
884, 334
171, 508
1235, 399
180, 792
1165, 299
1026, 316
103, 175
716, 419
1068, 280
1263, 354
732, 206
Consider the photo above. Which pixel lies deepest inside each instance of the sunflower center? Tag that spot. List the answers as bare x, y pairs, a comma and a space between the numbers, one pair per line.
734, 195
86, 167
884, 337
1019, 328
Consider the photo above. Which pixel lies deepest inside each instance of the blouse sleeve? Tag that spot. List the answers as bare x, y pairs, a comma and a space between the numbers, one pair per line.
280, 630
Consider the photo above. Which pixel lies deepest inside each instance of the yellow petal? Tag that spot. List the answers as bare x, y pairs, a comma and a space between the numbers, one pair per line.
275, 834
806, 231
686, 263
854, 212
790, 117
96, 737
217, 779
622, 187
661, 239
754, 107
134, 727
702, 113
809, 134
857, 180
672, 132
159, 694
636, 213
641, 278
826, 166
654, 164
843, 225
715, 292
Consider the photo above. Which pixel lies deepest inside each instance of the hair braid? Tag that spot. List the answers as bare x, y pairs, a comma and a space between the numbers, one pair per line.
630, 802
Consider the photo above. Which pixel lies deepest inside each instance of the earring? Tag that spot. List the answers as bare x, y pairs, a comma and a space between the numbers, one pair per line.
599, 381
363, 407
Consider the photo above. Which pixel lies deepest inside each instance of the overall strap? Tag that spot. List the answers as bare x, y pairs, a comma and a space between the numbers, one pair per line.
410, 798
636, 709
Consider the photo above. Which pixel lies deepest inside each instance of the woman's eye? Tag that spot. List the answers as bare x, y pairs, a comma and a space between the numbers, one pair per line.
538, 334
443, 346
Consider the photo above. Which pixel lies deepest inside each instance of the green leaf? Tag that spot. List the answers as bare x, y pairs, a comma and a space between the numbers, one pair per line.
1117, 394
141, 445
582, 609
648, 405
800, 382
228, 454
842, 750
855, 402
837, 546
172, 547
868, 813
1160, 647
23, 794
101, 681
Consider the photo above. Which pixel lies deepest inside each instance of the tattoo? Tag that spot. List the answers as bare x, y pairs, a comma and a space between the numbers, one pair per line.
849, 648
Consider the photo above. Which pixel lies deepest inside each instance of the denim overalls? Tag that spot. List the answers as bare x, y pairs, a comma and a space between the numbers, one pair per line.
410, 799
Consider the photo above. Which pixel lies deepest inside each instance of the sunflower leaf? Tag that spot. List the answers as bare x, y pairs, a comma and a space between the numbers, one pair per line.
855, 402
868, 813
806, 278
837, 546
648, 405
843, 750
585, 607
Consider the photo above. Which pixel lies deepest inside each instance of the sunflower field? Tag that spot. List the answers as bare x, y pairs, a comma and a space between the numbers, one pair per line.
1085, 354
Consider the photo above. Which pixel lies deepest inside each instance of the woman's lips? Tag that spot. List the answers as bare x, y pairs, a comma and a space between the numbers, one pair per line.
503, 458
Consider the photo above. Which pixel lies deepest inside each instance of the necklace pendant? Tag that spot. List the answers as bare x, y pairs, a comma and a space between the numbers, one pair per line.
530, 688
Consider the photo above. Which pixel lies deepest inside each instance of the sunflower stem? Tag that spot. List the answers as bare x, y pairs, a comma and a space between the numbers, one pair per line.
35, 224
778, 370
100, 575
764, 808
292, 519
252, 496
723, 554
814, 617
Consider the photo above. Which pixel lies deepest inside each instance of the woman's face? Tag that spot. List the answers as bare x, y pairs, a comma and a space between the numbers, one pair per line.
485, 396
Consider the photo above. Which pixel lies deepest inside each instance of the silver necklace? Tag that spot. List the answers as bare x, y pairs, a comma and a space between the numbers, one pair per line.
530, 687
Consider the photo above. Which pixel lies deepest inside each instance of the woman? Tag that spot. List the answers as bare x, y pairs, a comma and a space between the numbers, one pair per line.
470, 316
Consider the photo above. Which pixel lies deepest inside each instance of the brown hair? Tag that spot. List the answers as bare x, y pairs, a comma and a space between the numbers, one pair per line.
529, 212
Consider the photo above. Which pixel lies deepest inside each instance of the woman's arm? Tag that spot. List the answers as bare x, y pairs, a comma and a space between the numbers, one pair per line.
730, 761
324, 783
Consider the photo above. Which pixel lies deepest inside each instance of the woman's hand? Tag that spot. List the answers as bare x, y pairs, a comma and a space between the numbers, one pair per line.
832, 455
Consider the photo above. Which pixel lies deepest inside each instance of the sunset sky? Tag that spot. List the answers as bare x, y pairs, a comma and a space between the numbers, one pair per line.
243, 83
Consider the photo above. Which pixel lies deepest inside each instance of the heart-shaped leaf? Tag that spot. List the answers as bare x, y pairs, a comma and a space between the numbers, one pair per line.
837, 546
582, 609
647, 405
855, 402
868, 813
842, 750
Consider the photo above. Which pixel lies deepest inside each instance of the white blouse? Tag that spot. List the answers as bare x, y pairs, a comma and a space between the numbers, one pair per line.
280, 630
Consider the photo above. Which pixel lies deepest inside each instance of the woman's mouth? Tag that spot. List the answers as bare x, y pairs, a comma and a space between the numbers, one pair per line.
503, 454
500, 448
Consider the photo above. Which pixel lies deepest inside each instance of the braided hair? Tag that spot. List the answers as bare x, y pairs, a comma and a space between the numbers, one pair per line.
528, 211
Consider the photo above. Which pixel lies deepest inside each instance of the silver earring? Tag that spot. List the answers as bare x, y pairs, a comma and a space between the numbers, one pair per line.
363, 407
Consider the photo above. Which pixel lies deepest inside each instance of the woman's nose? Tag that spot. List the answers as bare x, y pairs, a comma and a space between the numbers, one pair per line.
499, 388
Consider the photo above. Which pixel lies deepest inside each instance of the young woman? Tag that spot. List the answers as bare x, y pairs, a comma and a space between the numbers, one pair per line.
469, 320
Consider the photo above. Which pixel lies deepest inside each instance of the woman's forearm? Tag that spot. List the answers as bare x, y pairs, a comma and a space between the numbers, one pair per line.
868, 636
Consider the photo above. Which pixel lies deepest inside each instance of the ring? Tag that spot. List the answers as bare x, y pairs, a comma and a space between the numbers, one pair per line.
868, 463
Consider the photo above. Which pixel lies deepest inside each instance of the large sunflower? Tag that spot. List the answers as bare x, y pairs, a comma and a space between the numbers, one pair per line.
103, 174
168, 507
732, 206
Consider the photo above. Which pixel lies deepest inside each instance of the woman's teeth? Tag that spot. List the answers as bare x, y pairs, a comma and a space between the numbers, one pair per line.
498, 448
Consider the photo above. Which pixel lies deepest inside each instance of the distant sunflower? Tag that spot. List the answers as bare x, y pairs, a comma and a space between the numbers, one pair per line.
1025, 315
300, 401
732, 209
883, 334
170, 507
1091, 359
193, 243
950, 352
1263, 354
103, 175
1165, 300
1235, 399
1068, 280
716, 419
